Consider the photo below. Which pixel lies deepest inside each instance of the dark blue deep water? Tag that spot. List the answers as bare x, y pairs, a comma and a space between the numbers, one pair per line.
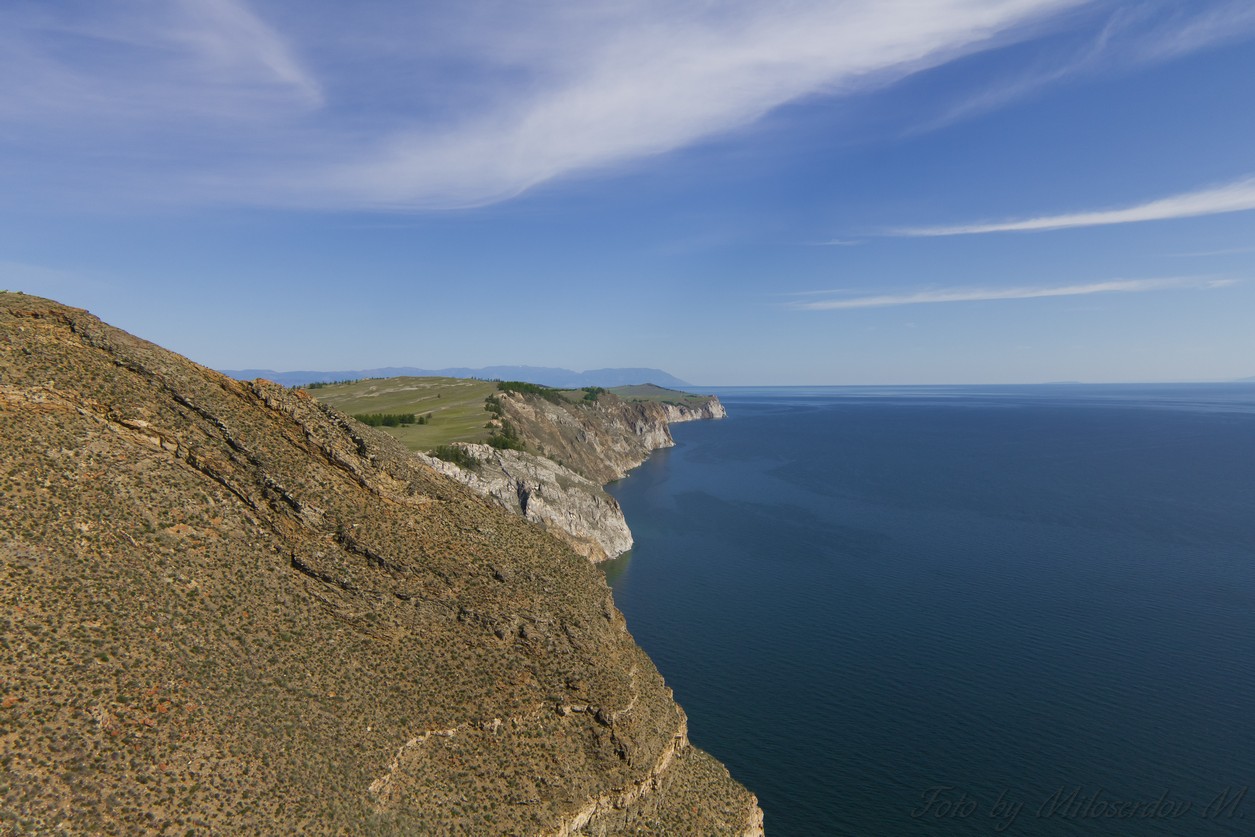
910, 610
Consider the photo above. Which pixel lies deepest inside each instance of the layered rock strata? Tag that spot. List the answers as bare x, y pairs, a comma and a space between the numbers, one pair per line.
602, 440
569, 506
226, 608
582, 446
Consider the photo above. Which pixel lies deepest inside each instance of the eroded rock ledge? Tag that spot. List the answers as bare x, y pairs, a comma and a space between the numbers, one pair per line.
603, 440
584, 446
570, 506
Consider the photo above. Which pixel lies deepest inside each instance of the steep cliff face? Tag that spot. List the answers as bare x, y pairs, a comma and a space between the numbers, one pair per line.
602, 440
584, 444
571, 507
229, 609
711, 409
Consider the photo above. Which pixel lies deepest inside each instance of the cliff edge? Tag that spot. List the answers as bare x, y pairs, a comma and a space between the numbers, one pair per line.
569, 506
536, 451
572, 448
603, 440
226, 607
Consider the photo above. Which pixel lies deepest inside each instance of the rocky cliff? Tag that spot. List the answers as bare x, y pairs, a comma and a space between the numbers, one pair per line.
567, 505
601, 440
584, 444
226, 608
711, 409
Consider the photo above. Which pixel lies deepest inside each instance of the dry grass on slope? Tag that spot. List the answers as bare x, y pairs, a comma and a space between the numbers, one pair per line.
224, 607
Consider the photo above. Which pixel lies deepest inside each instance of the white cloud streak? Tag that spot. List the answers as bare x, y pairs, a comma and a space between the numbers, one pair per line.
993, 294
396, 105
646, 83
237, 46
1238, 196
412, 106
1149, 32
146, 69
1225, 251
1183, 32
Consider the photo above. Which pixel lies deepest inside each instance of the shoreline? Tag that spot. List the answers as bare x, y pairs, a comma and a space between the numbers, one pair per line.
582, 450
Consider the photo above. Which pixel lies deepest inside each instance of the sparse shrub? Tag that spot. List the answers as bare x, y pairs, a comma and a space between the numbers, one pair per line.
523, 387
506, 438
456, 454
321, 384
386, 419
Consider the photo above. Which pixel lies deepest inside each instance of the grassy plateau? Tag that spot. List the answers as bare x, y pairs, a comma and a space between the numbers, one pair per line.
456, 406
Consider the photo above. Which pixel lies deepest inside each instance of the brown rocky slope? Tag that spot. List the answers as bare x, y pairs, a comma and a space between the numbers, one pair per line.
226, 608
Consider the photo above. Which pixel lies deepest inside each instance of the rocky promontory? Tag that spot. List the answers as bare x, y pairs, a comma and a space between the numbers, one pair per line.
572, 449
228, 608
602, 440
537, 451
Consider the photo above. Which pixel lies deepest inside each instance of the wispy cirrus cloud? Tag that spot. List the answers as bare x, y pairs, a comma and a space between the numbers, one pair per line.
1238, 196
1180, 29
397, 105
624, 85
937, 295
403, 106
1132, 35
1223, 251
145, 67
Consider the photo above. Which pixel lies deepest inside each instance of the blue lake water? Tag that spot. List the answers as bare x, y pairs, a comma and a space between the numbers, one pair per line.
910, 610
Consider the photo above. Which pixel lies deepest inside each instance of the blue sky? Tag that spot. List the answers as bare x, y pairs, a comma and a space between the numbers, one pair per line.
868, 191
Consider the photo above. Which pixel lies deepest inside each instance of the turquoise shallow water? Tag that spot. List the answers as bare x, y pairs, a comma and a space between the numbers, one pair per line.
961, 610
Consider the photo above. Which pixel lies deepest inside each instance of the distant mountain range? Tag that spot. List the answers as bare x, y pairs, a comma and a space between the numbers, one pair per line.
545, 375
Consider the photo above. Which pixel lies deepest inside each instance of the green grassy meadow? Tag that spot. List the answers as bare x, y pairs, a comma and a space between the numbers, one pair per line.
456, 406
653, 392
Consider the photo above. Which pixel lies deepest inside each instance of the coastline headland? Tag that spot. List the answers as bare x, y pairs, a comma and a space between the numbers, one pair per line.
580, 447
554, 449
227, 607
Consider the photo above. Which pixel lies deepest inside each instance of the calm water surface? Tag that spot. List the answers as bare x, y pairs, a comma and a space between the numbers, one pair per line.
911, 610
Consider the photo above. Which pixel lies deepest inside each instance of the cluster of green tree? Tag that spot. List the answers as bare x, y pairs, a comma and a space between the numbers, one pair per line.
392, 419
593, 393
321, 384
547, 393
506, 437
457, 455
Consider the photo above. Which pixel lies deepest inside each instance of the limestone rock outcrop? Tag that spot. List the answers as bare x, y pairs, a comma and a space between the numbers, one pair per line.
571, 507
602, 440
711, 409
581, 446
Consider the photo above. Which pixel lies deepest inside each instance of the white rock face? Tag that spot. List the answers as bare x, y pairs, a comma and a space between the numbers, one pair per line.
584, 445
712, 409
604, 440
573, 508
